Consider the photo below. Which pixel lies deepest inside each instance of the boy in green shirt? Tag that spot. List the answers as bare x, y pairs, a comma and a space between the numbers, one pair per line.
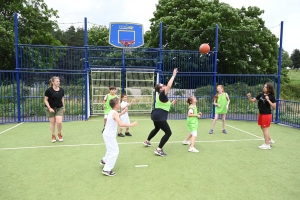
106, 106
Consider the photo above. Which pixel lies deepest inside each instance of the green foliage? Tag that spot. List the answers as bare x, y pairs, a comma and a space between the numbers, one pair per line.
294, 75
30, 31
245, 44
179, 93
295, 56
286, 60
204, 91
98, 35
71, 37
146, 91
290, 92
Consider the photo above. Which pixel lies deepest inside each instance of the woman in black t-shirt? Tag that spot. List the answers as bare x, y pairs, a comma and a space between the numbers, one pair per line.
54, 101
266, 100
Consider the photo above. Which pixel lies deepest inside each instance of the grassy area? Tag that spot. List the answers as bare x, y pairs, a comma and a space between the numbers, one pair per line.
294, 75
228, 166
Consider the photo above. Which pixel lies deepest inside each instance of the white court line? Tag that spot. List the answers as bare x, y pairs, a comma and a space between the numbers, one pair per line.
244, 131
121, 143
11, 128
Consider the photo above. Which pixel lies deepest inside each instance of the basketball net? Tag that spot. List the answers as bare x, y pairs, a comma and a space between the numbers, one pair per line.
127, 46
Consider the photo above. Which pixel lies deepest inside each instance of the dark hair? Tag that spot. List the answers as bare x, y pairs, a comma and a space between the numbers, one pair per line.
113, 102
123, 95
270, 89
157, 87
112, 88
189, 100
51, 80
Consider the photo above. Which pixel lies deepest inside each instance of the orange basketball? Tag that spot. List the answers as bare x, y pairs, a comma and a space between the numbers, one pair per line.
204, 48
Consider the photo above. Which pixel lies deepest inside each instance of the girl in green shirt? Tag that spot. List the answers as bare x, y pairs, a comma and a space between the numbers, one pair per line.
192, 123
221, 101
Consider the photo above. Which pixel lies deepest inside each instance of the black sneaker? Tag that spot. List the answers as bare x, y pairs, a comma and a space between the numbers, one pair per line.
128, 134
147, 143
121, 135
160, 152
102, 162
108, 173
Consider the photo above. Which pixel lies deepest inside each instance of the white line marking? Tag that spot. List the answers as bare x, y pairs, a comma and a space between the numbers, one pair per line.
102, 144
141, 166
11, 128
244, 131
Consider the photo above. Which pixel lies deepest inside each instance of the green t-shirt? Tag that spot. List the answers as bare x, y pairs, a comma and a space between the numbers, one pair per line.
222, 101
162, 105
107, 106
192, 122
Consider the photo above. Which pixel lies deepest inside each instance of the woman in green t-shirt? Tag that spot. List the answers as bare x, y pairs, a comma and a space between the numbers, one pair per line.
221, 101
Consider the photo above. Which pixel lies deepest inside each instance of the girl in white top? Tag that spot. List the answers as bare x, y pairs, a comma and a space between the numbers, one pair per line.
109, 136
125, 117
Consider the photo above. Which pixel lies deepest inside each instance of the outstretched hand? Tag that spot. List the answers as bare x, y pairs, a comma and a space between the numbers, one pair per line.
173, 102
134, 123
175, 71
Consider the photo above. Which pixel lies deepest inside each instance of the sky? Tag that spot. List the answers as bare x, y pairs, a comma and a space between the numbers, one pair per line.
102, 12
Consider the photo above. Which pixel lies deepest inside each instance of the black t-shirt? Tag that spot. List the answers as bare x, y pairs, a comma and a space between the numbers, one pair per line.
263, 105
54, 97
160, 114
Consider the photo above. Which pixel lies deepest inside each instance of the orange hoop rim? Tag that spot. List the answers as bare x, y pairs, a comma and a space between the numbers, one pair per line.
126, 43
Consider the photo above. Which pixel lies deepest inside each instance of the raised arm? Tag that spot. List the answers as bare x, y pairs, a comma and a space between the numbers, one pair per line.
250, 98
170, 83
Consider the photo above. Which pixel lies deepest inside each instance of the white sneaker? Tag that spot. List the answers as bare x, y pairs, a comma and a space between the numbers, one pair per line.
186, 142
264, 146
192, 149
271, 142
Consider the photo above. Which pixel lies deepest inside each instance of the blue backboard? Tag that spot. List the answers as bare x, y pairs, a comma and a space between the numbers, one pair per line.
126, 31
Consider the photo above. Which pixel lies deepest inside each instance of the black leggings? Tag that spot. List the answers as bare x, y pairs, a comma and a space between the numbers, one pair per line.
163, 125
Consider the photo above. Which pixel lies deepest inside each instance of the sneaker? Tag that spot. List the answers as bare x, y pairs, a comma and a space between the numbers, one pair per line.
60, 137
53, 138
121, 135
108, 173
128, 134
271, 142
264, 146
211, 131
186, 142
224, 131
160, 152
102, 162
147, 143
193, 149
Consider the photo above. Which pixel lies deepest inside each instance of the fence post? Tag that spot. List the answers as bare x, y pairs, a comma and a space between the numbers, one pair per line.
279, 73
215, 52
17, 68
86, 70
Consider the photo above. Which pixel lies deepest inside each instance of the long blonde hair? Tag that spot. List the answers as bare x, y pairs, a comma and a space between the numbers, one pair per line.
51, 80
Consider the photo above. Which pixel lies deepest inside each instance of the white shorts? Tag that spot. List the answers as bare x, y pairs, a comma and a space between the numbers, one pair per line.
105, 116
125, 120
194, 133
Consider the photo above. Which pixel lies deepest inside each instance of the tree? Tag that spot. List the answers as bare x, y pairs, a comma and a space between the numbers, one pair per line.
295, 56
245, 44
71, 37
35, 27
286, 60
98, 35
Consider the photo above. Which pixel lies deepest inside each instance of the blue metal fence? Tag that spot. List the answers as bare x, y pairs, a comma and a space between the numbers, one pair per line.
22, 90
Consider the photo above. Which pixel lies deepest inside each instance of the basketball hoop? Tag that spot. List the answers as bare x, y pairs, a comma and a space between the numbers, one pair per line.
127, 46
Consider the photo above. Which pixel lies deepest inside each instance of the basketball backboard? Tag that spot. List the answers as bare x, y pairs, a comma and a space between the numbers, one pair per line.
126, 31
